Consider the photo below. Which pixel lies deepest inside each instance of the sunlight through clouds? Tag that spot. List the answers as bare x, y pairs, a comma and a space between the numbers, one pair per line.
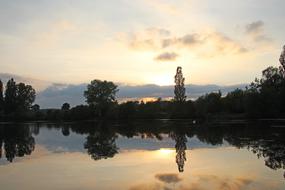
139, 38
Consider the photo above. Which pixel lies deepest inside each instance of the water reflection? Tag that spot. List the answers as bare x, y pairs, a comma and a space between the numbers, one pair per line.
101, 144
16, 141
101, 139
180, 147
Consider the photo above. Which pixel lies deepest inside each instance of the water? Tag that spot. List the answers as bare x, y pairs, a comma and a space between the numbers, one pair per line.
143, 155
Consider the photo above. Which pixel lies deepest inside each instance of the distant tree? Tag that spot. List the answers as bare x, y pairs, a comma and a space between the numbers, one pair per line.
1, 97
128, 109
35, 108
234, 101
10, 96
101, 95
65, 107
179, 89
81, 112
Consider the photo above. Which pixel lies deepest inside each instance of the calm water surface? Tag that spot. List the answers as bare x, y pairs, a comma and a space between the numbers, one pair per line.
143, 156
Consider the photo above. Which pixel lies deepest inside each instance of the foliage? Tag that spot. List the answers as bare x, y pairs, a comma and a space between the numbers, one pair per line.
18, 97
179, 89
101, 95
1, 97
65, 106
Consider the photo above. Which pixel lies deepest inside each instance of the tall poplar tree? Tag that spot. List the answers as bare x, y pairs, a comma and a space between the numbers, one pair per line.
1, 97
179, 89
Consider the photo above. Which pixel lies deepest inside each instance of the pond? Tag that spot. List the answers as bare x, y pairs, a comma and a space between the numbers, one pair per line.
143, 155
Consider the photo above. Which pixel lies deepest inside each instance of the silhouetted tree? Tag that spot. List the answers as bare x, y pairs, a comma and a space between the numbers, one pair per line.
35, 108
101, 145
1, 97
81, 112
18, 97
18, 141
179, 89
11, 96
208, 104
128, 110
65, 107
25, 96
282, 58
101, 95
65, 130
234, 101
180, 147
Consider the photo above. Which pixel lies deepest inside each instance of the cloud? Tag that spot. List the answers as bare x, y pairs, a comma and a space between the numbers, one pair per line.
167, 56
155, 186
255, 27
255, 30
168, 178
219, 183
55, 95
145, 40
202, 44
200, 182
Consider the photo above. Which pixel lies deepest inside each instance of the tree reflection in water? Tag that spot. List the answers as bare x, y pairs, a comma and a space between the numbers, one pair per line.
261, 139
180, 147
101, 144
16, 141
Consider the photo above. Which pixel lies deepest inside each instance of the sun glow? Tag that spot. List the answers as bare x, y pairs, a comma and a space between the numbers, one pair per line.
163, 80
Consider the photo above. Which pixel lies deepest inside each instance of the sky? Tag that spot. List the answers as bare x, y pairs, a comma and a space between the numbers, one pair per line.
141, 41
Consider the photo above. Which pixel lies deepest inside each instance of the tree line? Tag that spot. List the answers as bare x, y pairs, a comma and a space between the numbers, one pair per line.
264, 97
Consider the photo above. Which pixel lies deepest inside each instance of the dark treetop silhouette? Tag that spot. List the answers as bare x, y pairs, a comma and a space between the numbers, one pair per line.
101, 95
179, 89
282, 58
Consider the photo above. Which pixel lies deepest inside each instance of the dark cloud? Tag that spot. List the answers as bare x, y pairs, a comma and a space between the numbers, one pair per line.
148, 39
255, 27
192, 39
167, 56
256, 31
203, 182
55, 95
168, 178
159, 31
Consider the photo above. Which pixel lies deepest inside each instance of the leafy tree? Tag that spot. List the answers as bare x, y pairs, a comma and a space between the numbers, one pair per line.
80, 112
35, 108
282, 58
18, 97
128, 109
234, 101
179, 89
11, 96
25, 96
101, 95
65, 107
1, 97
